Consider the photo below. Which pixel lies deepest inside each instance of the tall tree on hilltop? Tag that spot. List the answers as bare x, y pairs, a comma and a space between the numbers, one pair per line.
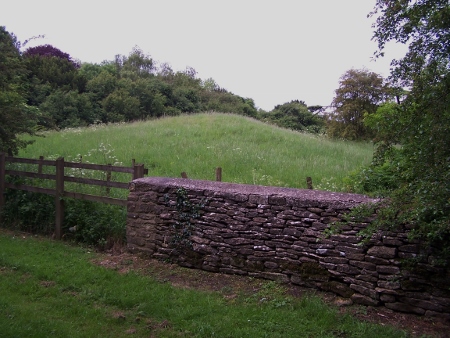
295, 115
16, 117
360, 92
49, 51
136, 65
56, 86
53, 69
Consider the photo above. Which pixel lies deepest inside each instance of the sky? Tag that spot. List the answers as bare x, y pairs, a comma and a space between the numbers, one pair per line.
270, 51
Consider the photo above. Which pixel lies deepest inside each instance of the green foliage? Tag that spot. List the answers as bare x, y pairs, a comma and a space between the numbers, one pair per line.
359, 94
386, 122
101, 225
413, 135
185, 100
16, 118
187, 211
91, 223
136, 65
423, 25
377, 180
151, 101
59, 73
363, 213
129, 88
295, 115
26, 211
62, 94
100, 85
91, 70
120, 106
68, 108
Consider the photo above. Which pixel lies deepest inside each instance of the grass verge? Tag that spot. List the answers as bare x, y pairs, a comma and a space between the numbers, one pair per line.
52, 289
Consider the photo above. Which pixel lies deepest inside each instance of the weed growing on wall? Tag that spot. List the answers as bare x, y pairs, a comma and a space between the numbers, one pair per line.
363, 213
187, 211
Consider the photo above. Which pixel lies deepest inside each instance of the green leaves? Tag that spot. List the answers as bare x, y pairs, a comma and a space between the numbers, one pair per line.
414, 135
187, 211
359, 94
424, 25
295, 115
15, 116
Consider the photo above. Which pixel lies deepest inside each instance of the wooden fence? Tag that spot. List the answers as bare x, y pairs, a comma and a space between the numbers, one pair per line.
136, 170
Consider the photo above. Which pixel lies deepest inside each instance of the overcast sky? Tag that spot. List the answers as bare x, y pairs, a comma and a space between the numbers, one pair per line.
270, 51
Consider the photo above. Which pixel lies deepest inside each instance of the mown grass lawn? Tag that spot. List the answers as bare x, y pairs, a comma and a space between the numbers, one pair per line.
52, 289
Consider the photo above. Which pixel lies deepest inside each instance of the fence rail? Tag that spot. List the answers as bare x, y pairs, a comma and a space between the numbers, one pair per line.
136, 171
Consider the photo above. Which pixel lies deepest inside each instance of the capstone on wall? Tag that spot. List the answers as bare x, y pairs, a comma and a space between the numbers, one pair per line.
278, 234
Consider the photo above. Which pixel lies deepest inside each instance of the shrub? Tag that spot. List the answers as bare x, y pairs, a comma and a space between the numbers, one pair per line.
91, 223
97, 224
30, 212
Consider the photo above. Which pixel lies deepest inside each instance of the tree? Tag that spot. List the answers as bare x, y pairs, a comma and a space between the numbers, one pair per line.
120, 106
423, 25
151, 102
420, 124
50, 70
49, 51
296, 116
359, 93
136, 65
69, 109
91, 70
53, 68
16, 118
101, 85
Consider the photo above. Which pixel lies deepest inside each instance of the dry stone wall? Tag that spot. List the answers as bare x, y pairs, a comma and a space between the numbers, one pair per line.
278, 234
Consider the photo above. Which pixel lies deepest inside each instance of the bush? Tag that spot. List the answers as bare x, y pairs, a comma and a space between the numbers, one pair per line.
30, 212
101, 225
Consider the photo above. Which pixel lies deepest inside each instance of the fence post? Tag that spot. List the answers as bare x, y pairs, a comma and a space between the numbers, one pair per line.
138, 171
59, 194
219, 174
2, 180
309, 182
41, 158
108, 179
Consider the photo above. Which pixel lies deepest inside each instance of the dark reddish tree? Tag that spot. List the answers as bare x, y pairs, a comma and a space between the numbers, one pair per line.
49, 51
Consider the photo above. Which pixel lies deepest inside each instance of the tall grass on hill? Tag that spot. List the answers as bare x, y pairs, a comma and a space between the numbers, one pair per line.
247, 150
